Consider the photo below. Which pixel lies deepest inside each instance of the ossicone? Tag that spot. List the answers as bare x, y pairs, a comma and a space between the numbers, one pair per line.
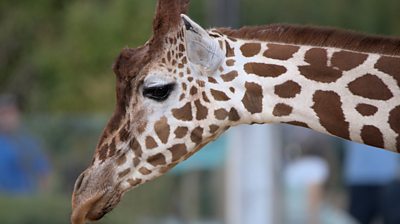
167, 17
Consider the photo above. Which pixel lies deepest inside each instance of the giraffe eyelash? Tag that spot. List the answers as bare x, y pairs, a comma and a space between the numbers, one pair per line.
158, 93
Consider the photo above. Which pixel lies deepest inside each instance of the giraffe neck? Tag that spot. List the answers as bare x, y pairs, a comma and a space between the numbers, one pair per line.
350, 94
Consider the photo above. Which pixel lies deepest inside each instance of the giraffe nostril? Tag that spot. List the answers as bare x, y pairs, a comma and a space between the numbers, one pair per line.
79, 181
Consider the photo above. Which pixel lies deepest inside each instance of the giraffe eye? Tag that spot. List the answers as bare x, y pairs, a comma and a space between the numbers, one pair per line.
158, 93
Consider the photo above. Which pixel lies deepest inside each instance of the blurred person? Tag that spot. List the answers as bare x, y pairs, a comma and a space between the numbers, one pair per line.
305, 178
372, 178
24, 169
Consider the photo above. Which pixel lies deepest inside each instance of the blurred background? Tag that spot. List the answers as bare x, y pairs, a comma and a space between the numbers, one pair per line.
57, 92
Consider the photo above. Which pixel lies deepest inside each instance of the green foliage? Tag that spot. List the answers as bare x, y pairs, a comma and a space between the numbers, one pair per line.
76, 65
58, 54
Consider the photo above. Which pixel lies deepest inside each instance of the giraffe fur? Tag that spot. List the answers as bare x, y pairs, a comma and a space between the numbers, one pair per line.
187, 85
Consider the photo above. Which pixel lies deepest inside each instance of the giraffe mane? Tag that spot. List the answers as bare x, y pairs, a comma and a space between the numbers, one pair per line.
310, 35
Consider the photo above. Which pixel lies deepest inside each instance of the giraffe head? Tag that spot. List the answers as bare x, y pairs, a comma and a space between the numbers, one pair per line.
162, 115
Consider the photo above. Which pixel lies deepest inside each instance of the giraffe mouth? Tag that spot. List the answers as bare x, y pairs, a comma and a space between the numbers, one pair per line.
83, 212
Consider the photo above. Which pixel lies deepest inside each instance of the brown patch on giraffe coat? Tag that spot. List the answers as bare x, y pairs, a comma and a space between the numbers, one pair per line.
103, 152
230, 52
233, 115
328, 108
201, 83
162, 129
371, 135
229, 76
184, 113
177, 151
150, 143
371, 87
136, 161
157, 159
134, 182
112, 148
168, 56
124, 134
181, 97
347, 60
121, 159
213, 128
391, 66
144, 171
280, 52
180, 132
201, 111
164, 169
135, 147
282, 109
193, 90
288, 89
221, 114
232, 89
394, 119
230, 62
124, 172
366, 109
253, 97
212, 80
184, 86
205, 98
103, 137
197, 135
181, 48
297, 123
264, 70
318, 69
219, 95
250, 49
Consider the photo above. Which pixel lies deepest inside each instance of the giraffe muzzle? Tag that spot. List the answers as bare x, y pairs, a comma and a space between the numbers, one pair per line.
84, 212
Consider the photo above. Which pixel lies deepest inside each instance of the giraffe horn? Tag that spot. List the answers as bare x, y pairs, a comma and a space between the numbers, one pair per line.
167, 16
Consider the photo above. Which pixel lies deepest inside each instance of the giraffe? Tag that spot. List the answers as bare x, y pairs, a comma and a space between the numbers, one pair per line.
187, 85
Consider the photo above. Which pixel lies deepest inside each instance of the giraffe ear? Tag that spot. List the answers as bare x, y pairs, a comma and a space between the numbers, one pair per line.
201, 49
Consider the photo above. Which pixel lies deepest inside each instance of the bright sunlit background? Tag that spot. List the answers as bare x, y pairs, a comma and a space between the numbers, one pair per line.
55, 62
